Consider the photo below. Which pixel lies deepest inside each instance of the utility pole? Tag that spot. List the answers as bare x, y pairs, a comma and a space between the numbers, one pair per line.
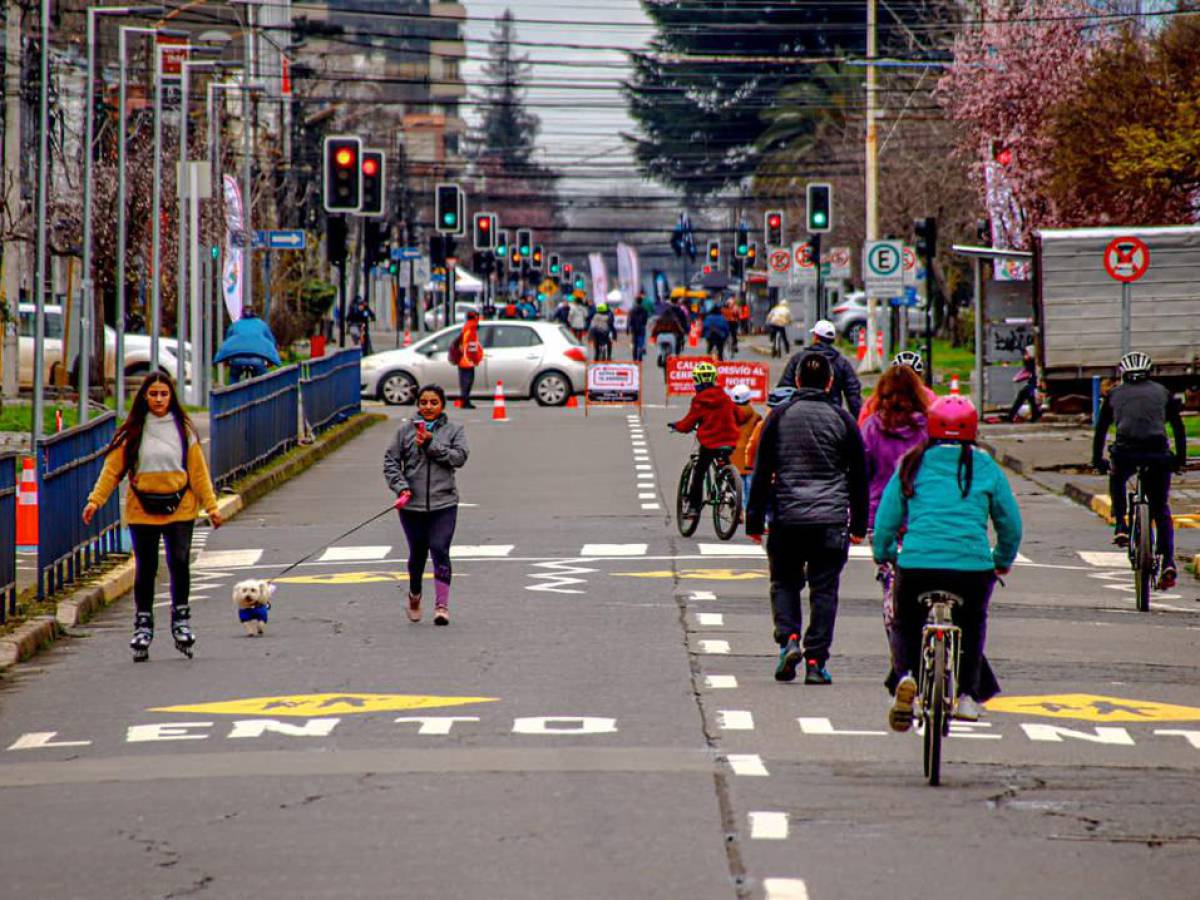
14, 251
872, 361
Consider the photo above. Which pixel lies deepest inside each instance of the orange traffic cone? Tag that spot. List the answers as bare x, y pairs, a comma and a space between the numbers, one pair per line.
694, 335
572, 402
862, 344
407, 338
27, 506
499, 412
954, 385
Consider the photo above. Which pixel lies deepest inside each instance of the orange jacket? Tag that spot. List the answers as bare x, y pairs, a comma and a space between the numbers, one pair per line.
472, 351
748, 419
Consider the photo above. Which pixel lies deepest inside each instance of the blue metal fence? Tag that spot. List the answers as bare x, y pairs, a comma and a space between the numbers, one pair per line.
8, 534
68, 465
252, 421
329, 388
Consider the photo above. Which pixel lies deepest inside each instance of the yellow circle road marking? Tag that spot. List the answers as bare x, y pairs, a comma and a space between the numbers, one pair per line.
308, 705
1094, 708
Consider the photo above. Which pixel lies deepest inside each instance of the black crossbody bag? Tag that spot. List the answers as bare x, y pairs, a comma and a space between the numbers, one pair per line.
164, 504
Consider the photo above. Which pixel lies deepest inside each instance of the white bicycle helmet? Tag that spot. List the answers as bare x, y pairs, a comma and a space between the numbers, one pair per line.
1135, 366
910, 358
741, 394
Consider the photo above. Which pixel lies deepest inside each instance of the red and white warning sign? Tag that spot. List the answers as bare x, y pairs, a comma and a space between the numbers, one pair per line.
779, 264
1126, 259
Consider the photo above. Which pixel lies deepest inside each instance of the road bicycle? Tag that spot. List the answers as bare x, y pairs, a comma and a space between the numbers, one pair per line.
722, 491
941, 643
778, 339
1144, 558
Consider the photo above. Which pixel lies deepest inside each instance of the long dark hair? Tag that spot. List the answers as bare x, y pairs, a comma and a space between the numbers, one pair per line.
910, 465
129, 435
899, 397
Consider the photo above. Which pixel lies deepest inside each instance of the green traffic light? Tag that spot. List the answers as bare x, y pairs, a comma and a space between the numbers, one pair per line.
216, 251
820, 219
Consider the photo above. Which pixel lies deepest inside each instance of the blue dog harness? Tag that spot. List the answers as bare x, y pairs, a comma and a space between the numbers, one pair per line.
256, 613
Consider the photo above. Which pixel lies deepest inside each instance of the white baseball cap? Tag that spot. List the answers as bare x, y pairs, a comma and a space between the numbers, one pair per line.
741, 393
824, 329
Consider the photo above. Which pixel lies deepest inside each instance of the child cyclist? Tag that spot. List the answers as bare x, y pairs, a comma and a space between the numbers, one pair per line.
712, 416
747, 419
943, 496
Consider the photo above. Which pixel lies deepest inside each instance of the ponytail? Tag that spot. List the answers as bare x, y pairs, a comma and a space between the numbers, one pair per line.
910, 465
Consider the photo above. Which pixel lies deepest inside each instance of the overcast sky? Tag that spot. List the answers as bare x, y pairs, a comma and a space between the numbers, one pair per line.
580, 104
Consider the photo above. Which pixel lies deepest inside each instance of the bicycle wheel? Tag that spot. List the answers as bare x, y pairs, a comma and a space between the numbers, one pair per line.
687, 521
727, 504
935, 713
1143, 542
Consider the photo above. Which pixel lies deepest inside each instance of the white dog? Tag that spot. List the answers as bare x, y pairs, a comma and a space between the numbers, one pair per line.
251, 601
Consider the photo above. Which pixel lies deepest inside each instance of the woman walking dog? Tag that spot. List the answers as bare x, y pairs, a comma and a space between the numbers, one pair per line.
158, 447
419, 468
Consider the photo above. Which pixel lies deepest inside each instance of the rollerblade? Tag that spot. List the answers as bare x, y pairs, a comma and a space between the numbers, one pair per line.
143, 634
181, 629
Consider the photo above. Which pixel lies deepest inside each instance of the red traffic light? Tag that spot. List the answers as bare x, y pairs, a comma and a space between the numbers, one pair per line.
774, 221
485, 224
370, 166
345, 157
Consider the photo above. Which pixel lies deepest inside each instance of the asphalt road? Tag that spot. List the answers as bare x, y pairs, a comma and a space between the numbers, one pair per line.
600, 720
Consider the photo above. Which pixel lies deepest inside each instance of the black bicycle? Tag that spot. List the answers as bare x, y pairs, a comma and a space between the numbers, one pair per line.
1144, 558
778, 340
941, 644
722, 491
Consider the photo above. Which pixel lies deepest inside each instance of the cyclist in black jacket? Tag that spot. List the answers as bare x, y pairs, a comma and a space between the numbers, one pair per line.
1141, 409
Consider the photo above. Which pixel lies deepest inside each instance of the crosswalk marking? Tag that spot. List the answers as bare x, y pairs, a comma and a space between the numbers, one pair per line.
495, 551
1105, 559
613, 550
747, 764
651, 506
220, 559
348, 554
714, 647
710, 620
769, 826
735, 720
720, 682
785, 889
732, 549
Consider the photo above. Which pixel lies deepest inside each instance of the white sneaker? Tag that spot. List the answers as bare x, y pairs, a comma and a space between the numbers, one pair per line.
967, 709
900, 716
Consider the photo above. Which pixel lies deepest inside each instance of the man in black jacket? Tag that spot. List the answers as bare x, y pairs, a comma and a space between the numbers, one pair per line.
846, 387
810, 474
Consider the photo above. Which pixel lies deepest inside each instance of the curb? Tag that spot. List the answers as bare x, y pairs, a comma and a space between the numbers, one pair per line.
40, 632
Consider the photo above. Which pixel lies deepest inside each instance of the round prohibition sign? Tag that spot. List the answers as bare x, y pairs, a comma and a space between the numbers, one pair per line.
1126, 259
780, 260
884, 261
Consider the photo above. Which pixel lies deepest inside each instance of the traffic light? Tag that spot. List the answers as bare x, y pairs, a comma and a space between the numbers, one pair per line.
741, 248
926, 231
515, 258
501, 244
555, 264
343, 175
335, 240
449, 209
736, 267
820, 208
524, 242
773, 227
580, 283
485, 230
372, 183
537, 257
752, 255
714, 251
438, 250
567, 269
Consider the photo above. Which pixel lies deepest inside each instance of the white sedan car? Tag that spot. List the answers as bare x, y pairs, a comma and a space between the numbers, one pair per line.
539, 360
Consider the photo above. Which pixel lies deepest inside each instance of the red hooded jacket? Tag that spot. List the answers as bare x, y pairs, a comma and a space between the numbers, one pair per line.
470, 352
712, 411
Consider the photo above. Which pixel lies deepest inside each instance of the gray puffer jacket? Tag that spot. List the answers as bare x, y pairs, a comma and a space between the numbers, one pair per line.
428, 472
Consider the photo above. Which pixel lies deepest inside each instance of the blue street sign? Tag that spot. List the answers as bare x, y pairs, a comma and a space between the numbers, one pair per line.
402, 254
290, 239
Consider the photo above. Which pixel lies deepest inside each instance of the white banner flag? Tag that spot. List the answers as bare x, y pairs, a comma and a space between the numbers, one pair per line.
599, 278
231, 276
628, 273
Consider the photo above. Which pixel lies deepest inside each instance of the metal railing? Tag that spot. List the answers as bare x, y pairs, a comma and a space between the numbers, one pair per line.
329, 388
8, 534
68, 464
252, 421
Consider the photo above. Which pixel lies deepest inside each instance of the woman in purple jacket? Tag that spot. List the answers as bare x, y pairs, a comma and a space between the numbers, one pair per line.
896, 426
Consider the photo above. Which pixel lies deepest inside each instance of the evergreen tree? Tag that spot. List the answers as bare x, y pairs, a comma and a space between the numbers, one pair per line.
700, 94
508, 133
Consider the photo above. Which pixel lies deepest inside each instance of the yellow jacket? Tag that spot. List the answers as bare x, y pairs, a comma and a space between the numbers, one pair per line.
199, 488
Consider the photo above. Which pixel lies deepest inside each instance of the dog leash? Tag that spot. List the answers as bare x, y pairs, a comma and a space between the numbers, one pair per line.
324, 546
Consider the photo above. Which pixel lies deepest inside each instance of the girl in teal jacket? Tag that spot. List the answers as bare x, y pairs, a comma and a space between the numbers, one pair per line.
941, 499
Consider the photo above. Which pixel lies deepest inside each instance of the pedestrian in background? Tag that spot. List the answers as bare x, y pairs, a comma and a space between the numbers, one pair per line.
639, 317
419, 467
602, 332
778, 320
846, 387
895, 427
733, 320
249, 347
716, 332
577, 318
466, 352
158, 447
810, 473
1028, 379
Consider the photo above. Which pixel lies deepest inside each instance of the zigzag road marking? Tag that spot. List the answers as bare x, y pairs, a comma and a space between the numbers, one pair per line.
557, 582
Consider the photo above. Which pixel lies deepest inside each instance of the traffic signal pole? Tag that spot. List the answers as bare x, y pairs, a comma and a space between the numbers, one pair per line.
873, 360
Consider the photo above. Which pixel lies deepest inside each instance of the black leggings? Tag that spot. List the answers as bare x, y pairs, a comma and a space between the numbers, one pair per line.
177, 537
428, 534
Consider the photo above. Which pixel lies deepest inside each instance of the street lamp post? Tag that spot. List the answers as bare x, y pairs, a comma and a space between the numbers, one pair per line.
122, 105
43, 186
89, 115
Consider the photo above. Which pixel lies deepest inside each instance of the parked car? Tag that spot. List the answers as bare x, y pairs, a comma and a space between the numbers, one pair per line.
849, 316
435, 317
540, 360
137, 348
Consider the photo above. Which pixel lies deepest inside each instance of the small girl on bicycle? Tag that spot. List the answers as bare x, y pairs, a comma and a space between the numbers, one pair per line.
941, 499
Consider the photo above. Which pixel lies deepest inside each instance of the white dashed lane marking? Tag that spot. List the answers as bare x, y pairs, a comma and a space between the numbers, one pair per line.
735, 720
710, 620
497, 551
1105, 559
749, 764
613, 550
720, 682
714, 647
353, 554
785, 889
220, 559
769, 826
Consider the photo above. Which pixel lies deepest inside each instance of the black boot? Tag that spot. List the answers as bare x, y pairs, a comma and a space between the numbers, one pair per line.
143, 634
